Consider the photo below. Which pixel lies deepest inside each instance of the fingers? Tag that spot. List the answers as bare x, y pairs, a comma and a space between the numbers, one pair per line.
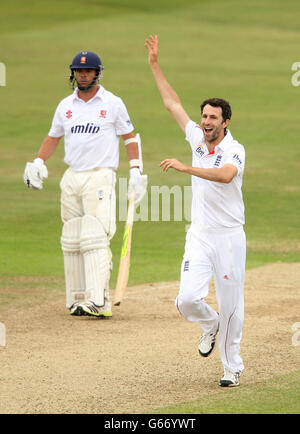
172, 163
152, 39
151, 42
167, 164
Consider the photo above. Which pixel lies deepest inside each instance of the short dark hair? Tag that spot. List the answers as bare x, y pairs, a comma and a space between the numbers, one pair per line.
219, 102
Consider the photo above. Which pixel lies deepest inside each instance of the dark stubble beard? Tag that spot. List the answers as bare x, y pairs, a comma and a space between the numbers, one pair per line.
87, 88
215, 134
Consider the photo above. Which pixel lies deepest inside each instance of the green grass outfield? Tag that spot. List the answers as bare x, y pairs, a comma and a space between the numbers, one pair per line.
277, 396
241, 51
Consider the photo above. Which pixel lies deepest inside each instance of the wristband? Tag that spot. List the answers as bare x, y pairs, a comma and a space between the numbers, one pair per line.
131, 140
134, 163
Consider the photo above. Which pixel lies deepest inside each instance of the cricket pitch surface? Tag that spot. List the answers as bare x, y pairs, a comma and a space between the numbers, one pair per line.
144, 357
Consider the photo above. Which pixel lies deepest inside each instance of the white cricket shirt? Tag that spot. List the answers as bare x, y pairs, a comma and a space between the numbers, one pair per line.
91, 129
216, 204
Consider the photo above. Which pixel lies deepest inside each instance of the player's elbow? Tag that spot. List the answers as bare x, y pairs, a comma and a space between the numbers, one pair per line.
227, 175
225, 179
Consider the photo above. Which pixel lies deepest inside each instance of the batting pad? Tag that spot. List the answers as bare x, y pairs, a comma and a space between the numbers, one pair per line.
94, 246
73, 261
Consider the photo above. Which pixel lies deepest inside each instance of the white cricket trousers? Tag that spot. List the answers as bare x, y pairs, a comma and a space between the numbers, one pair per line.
218, 253
90, 192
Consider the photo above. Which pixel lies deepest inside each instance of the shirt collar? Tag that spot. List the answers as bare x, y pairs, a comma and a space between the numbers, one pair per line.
223, 145
100, 94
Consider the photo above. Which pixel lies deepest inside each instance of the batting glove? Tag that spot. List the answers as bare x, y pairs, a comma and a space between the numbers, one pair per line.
137, 184
35, 173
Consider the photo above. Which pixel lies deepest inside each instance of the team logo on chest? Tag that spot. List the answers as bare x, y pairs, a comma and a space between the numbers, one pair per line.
103, 114
218, 161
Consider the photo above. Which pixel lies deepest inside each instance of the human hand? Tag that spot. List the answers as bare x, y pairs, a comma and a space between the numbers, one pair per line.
152, 46
172, 163
137, 185
35, 173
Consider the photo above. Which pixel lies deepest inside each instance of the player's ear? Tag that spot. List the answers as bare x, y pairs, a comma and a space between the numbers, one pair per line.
226, 123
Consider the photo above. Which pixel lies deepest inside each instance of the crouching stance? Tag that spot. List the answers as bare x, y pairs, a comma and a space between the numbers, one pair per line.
91, 120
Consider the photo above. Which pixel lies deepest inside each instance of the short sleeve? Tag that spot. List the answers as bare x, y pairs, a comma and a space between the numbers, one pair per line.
194, 134
236, 157
57, 127
123, 122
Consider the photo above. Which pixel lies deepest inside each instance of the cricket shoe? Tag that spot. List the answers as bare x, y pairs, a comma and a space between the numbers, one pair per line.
207, 343
75, 309
91, 309
230, 379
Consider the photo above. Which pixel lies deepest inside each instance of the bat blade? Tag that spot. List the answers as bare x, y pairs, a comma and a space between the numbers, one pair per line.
124, 266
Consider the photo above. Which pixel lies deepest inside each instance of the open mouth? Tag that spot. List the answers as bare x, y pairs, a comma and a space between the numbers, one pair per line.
208, 130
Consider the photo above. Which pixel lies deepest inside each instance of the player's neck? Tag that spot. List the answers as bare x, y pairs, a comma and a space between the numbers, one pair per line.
86, 96
211, 145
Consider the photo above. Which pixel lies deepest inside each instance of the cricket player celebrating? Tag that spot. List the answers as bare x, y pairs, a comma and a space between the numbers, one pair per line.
91, 120
215, 243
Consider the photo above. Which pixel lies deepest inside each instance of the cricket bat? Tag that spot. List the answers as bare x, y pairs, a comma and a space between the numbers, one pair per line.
123, 273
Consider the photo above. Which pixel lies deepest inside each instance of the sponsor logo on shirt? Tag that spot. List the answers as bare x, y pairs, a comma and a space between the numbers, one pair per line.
103, 113
200, 151
68, 114
236, 157
89, 128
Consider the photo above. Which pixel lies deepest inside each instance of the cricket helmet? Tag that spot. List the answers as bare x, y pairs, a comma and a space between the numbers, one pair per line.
86, 60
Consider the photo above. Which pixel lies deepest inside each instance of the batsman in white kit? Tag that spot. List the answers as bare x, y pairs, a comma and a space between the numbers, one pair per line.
215, 242
91, 120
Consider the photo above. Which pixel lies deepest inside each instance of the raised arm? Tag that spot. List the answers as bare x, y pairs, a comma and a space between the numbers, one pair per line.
170, 98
